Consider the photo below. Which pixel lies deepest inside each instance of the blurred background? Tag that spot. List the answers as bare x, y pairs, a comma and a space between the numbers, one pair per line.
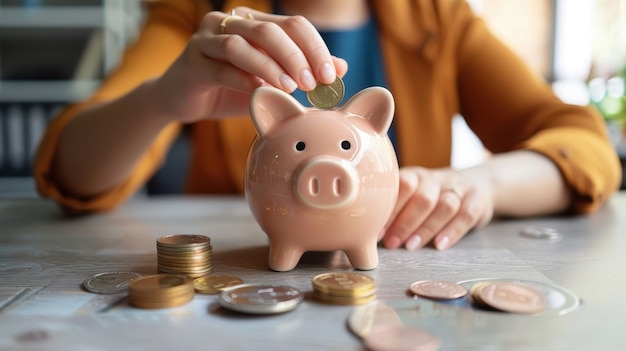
54, 52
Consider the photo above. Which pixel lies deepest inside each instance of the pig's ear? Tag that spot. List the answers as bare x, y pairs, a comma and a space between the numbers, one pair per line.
374, 104
270, 105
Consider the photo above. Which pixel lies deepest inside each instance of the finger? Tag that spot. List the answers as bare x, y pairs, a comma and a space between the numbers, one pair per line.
307, 38
235, 50
469, 214
447, 208
407, 186
420, 205
272, 40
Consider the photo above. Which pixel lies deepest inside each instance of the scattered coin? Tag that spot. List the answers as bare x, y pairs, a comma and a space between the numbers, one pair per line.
540, 233
260, 299
438, 289
508, 297
213, 284
344, 288
394, 337
160, 291
109, 282
327, 96
188, 254
366, 317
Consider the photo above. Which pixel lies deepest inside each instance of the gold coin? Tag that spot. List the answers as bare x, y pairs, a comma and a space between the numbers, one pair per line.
183, 240
344, 284
214, 284
343, 300
160, 291
327, 96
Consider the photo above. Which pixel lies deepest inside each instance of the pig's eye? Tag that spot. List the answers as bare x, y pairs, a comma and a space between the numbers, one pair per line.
300, 145
345, 145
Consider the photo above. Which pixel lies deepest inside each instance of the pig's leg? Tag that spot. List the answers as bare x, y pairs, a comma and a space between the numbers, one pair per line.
364, 257
284, 257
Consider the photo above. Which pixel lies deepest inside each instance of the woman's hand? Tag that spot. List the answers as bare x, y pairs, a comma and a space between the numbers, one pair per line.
438, 206
231, 55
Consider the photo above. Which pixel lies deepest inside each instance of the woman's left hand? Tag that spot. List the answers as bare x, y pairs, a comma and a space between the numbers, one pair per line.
438, 206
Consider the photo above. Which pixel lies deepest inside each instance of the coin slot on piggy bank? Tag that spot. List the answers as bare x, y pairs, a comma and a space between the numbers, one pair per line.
321, 179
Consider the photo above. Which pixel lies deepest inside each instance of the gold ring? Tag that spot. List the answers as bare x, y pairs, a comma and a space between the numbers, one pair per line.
227, 19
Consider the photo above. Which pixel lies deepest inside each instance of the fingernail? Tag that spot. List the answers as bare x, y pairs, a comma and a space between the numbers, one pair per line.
443, 243
328, 73
288, 84
413, 243
307, 80
393, 242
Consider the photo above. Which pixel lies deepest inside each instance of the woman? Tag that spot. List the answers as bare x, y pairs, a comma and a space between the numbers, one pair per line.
192, 65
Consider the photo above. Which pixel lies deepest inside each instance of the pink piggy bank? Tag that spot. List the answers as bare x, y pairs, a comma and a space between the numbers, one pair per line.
322, 180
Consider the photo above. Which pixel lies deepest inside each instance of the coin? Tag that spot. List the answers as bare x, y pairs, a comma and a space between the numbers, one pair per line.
327, 96
188, 254
109, 282
540, 233
215, 283
260, 299
364, 318
509, 297
344, 284
394, 337
438, 289
183, 240
160, 291
342, 288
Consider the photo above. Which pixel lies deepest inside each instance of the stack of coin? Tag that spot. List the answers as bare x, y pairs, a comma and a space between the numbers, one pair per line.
160, 291
185, 254
508, 297
344, 288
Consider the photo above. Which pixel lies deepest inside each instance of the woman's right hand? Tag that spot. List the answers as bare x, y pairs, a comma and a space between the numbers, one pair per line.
228, 57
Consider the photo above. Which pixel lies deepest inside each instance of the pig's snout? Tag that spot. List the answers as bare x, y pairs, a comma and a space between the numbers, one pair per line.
327, 183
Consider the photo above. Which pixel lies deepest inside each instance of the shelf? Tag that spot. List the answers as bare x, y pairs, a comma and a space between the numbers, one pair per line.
46, 91
51, 17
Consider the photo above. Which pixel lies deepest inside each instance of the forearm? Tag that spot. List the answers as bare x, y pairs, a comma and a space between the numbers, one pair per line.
523, 183
100, 146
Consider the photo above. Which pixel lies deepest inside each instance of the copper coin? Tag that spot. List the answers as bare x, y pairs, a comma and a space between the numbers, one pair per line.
511, 297
438, 289
399, 338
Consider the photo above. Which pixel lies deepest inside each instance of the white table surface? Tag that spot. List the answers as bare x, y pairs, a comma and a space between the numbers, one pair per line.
44, 258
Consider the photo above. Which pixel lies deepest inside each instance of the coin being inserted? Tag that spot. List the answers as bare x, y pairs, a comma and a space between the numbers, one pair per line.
438, 289
327, 96
109, 282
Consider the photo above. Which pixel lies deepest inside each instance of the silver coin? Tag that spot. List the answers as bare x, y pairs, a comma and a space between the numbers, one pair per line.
109, 282
540, 233
260, 299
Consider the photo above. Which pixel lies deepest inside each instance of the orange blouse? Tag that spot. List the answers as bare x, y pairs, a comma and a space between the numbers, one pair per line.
440, 60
